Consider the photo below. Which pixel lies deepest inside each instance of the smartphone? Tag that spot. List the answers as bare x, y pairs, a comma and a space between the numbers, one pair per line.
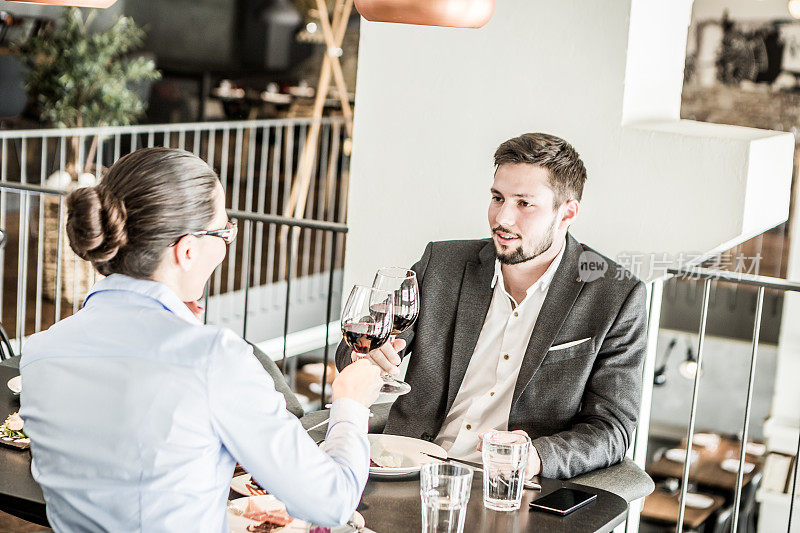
563, 501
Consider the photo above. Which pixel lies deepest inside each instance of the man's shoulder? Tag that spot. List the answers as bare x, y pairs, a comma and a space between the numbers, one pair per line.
454, 249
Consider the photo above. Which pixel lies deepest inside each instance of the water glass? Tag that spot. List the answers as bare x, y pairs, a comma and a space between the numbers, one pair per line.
444, 489
505, 457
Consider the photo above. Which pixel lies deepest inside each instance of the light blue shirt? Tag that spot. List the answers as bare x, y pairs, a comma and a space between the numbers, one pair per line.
137, 414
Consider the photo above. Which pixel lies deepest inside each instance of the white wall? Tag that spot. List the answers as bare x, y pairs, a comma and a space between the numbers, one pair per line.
434, 103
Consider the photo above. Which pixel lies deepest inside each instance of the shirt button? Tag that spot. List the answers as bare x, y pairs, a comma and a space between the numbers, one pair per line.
506, 356
469, 426
516, 314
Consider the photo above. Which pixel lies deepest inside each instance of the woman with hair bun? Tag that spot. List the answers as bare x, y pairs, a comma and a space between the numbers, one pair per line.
137, 412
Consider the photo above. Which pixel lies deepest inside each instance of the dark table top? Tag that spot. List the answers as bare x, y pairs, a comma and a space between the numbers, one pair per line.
20, 495
392, 505
396, 506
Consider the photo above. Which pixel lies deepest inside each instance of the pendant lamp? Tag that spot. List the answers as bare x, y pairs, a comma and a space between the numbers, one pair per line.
452, 13
76, 3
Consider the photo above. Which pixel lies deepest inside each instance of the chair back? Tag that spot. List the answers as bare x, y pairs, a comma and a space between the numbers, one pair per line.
292, 403
722, 523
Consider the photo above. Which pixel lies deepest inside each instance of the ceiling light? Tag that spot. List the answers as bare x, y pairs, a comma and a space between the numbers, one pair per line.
794, 8
452, 13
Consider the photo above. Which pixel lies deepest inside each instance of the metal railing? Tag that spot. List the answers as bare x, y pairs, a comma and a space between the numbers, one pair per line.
762, 283
276, 277
251, 225
256, 161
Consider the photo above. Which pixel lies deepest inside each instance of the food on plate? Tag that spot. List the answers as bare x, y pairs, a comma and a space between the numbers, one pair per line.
387, 460
268, 520
12, 429
264, 527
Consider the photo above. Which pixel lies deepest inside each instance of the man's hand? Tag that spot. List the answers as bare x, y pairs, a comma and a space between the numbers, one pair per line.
386, 356
534, 467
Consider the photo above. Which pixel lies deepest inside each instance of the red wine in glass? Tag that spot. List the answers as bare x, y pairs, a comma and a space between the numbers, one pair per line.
367, 321
362, 337
402, 283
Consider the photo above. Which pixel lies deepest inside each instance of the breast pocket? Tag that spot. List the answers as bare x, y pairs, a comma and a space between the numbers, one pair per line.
572, 350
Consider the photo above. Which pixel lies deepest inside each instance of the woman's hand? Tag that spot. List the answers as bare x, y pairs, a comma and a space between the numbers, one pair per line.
360, 381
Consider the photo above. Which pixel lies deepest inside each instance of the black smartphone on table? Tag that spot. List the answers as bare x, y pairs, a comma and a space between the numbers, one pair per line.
562, 501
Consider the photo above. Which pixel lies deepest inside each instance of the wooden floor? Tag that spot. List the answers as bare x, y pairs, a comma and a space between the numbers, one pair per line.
12, 524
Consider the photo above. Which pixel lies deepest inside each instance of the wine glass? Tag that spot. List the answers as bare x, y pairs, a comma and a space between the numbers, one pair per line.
403, 284
367, 320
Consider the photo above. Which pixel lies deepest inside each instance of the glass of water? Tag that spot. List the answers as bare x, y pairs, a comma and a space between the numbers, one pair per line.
444, 489
505, 457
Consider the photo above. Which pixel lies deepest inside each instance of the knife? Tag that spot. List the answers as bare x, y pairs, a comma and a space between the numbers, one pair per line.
479, 467
476, 466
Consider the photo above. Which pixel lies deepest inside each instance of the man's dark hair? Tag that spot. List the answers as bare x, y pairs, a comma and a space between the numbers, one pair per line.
566, 171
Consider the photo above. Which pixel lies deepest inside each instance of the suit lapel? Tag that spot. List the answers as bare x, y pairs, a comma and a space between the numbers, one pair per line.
563, 292
473, 304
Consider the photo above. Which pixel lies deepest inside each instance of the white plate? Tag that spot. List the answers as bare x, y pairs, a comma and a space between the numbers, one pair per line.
706, 440
241, 485
698, 501
678, 455
267, 502
755, 448
15, 384
406, 450
732, 465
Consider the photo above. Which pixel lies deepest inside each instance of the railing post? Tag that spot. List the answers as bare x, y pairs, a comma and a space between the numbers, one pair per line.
288, 294
745, 426
246, 281
687, 464
328, 318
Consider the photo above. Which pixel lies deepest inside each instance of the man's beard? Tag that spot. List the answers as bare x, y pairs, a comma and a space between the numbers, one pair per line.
519, 255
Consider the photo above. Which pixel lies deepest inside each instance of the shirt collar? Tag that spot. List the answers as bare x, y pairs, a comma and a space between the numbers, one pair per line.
543, 283
151, 289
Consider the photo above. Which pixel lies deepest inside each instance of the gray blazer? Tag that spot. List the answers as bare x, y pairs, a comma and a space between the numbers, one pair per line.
579, 404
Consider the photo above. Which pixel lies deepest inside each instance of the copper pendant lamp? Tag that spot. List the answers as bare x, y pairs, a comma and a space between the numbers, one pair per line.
452, 13
75, 3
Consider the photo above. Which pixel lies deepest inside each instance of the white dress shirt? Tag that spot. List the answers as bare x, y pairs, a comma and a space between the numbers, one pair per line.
137, 414
484, 399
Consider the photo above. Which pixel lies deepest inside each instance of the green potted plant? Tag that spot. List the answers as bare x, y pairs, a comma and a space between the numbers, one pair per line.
82, 78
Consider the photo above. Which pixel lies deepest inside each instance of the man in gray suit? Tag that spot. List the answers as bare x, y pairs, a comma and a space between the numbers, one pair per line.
529, 331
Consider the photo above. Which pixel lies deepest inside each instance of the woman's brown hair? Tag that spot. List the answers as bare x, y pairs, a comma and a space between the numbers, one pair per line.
145, 202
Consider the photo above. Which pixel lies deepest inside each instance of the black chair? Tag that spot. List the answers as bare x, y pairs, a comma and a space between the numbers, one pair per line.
292, 403
722, 521
747, 506
6, 351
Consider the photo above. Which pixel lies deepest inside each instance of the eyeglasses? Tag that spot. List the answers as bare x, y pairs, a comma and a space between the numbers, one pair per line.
228, 234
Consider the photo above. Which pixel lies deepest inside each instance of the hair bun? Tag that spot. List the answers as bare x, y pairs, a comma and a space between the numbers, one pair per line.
96, 224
